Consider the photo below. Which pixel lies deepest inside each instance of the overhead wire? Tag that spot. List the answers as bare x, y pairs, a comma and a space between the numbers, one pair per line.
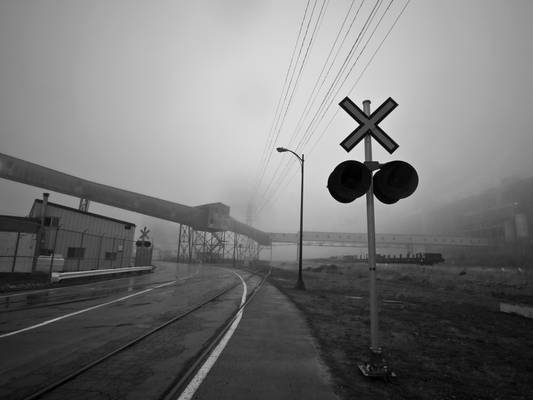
352, 87
314, 93
302, 66
347, 58
274, 194
285, 105
310, 45
284, 89
342, 69
313, 123
362, 72
279, 166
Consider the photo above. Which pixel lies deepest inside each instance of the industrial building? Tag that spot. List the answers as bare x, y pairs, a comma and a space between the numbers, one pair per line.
503, 215
85, 240
60, 238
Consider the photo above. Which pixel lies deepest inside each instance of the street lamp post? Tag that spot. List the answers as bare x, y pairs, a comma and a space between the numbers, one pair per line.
300, 283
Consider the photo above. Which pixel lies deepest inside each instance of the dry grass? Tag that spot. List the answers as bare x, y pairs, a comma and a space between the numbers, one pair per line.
443, 336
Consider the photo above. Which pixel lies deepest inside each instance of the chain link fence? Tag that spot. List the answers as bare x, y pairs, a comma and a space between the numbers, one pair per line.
63, 250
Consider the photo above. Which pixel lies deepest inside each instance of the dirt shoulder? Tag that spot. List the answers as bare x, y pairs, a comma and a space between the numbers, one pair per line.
440, 329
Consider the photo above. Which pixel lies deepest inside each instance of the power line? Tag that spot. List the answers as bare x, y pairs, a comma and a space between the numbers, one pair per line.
363, 30
317, 25
314, 92
274, 194
341, 71
275, 175
285, 102
308, 49
283, 90
365, 68
277, 125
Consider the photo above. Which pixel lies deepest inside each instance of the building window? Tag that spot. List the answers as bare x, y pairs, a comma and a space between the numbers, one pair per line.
127, 227
75, 252
46, 252
51, 221
110, 256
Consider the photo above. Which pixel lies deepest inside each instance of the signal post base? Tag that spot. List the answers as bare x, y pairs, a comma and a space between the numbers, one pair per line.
376, 371
300, 285
376, 367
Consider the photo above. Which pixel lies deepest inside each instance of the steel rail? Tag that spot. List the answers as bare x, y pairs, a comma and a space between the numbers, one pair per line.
180, 383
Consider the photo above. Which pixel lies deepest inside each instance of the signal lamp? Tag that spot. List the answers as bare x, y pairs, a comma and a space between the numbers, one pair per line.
349, 180
395, 180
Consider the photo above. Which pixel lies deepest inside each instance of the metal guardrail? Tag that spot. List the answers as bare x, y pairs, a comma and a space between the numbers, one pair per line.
59, 276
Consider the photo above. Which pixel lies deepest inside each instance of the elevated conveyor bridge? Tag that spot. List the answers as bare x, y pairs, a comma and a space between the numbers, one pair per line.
207, 232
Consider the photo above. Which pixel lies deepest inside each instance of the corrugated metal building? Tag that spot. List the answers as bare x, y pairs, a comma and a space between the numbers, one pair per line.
85, 240
17, 243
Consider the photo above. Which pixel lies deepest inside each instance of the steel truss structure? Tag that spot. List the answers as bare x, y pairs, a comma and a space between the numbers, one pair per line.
220, 247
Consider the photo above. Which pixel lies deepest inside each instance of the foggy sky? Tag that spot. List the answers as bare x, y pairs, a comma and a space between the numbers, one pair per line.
175, 99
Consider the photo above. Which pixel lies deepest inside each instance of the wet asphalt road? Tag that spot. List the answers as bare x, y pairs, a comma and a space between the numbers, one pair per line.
45, 334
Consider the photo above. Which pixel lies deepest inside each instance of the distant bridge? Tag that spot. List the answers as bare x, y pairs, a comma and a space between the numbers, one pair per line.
338, 239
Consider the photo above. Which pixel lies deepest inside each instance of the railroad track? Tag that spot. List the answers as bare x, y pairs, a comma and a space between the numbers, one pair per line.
181, 383
180, 379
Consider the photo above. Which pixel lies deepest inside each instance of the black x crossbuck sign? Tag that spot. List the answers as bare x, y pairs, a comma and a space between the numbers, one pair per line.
144, 233
368, 125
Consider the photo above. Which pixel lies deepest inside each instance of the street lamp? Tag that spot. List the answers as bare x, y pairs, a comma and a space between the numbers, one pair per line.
300, 283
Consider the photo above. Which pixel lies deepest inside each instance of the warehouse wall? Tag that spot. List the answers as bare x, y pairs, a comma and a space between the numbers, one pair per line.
86, 240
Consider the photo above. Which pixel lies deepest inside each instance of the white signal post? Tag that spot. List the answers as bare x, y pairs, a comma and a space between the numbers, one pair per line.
371, 232
368, 128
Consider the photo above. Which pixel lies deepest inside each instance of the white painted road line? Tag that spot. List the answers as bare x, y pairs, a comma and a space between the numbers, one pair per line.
195, 383
164, 284
50, 321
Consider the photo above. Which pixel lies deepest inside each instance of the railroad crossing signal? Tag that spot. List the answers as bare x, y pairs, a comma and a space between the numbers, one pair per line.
144, 234
368, 125
351, 179
395, 180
